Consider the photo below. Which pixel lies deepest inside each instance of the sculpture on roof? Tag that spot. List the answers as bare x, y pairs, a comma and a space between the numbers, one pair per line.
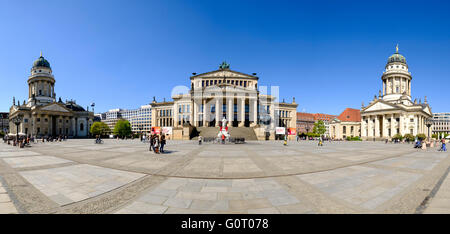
224, 65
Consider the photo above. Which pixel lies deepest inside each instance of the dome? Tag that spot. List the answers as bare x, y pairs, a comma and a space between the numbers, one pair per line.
41, 62
396, 57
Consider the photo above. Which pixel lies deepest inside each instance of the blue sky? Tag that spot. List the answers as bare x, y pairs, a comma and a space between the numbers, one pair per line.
328, 54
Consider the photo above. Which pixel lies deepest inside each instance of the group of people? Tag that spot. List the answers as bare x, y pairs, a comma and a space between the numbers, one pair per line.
23, 141
419, 145
157, 143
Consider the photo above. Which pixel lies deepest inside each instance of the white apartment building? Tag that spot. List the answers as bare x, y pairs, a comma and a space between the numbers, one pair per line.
441, 123
140, 119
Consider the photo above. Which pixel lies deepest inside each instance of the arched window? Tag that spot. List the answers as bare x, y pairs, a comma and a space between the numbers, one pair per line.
81, 127
344, 129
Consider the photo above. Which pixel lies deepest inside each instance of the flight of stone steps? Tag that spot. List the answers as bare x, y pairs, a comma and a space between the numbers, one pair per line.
235, 132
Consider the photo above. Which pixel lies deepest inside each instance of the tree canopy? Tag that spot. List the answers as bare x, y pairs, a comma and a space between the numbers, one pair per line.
122, 128
319, 127
100, 128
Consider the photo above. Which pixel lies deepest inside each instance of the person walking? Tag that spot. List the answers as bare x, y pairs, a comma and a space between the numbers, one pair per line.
443, 145
163, 143
156, 145
152, 142
200, 138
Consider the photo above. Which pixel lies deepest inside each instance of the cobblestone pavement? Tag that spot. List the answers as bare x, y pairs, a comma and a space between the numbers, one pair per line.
78, 176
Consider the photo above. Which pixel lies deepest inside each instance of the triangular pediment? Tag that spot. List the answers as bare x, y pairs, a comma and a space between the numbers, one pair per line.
379, 106
427, 110
54, 107
225, 73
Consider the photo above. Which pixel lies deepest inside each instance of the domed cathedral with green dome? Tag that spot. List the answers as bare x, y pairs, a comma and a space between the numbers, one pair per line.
43, 115
393, 111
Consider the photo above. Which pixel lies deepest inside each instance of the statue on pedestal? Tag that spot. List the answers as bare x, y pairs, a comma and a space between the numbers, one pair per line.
223, 130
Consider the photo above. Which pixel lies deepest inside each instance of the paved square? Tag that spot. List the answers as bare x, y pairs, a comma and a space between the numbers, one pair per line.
69, 184
123, 176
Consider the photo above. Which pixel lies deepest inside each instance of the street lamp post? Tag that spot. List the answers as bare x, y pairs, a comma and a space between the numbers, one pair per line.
429, 123
93, 105
17, 120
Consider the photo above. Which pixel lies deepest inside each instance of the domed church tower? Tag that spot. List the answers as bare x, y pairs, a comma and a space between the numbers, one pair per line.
41, 83
393, 112
396, 79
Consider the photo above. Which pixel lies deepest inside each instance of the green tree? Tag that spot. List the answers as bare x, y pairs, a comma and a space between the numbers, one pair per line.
421, 136
100, 128
122, 128
397, 136
319, 128
409, 137
2, 134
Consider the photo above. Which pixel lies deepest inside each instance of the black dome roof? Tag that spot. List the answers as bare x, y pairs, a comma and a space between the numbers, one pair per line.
41, 62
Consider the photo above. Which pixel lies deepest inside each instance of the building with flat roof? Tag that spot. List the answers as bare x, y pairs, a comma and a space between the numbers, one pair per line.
140, 119
4, 121
441, 123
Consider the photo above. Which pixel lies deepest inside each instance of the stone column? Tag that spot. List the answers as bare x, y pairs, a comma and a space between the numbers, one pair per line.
230, 110
363, 127
50, 125
204, 112
371, 127
217, 112
255, 112
393, 130
194, 113
242, 108
383, 127
400, 125
377, 126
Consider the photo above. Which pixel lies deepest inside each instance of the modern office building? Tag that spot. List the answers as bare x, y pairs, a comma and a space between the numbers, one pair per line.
441, 123
140, 119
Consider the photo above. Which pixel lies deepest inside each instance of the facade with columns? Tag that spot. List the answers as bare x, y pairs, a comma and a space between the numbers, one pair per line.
41, 114
224, 94
393, 111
